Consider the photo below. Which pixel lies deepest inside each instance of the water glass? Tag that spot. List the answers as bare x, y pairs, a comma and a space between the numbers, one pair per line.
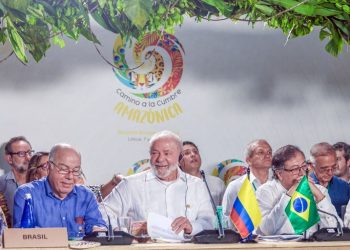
124, 224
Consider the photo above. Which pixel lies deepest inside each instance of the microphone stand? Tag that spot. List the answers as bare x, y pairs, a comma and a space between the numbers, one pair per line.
110, 233
110, 237
215, 236
218, 217
339, 227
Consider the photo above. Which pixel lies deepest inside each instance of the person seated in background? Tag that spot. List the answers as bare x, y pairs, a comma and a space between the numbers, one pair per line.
164, 189
107, 188
289, 167
38, 167
324, 160
5, 210
18, 152
342, 151
190, 162
57, 200
258, 157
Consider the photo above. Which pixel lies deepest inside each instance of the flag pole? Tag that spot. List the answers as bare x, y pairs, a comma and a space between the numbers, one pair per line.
307, 177
249, 239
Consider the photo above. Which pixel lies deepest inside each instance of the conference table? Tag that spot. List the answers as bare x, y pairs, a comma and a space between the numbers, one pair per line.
190, 246
261, 245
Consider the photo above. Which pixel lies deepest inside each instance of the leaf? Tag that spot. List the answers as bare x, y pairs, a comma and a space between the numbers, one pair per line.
264, 9
335, 45
221, 5
138, 11
332, 47
37, 12
346, 9
304, 9
344, 28
19, 5
16, 41
326, 12
3, 35
90, 36
324, 34
101, 18
31, 20
58, 41
102, 3
36, 38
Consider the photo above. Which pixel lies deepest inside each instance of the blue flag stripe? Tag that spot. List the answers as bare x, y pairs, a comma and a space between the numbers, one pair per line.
243, 214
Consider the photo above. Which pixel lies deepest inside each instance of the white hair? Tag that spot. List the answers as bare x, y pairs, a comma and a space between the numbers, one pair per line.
56, 147
252, 145
166, 134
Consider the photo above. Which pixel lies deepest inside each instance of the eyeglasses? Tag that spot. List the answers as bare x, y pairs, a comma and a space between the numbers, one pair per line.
44, 166
328, 169
65, 169
23, 153
296, 169
262, 153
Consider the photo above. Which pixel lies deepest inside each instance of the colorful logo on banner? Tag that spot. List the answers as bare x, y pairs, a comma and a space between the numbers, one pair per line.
230, 170
139, 167
149, 72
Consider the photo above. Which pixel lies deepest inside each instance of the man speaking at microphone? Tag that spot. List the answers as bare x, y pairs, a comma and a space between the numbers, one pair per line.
57, 200
164, 190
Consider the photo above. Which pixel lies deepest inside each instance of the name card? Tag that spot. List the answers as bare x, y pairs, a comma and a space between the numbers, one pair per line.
35, 237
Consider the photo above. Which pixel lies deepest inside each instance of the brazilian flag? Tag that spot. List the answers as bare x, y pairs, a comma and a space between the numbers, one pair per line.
301, 209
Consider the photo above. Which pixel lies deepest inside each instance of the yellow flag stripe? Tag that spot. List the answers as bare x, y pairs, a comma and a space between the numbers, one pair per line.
247, 197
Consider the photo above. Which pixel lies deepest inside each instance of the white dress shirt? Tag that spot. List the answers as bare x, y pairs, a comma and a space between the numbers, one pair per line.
233, 188
347, 215
216, 187
273, 199
139, 194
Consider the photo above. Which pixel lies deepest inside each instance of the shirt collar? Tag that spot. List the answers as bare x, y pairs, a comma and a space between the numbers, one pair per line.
280, 186
49, 191
255, 180
314, 177
10, 176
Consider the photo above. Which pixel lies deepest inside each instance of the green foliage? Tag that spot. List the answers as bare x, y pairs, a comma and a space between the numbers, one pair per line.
34, 25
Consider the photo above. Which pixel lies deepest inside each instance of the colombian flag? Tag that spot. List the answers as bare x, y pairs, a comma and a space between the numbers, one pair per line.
245, 213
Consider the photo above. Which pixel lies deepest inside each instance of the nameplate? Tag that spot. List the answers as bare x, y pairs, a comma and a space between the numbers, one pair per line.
35, 237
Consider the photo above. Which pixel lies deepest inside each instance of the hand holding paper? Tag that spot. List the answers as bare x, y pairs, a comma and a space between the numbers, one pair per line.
160, 227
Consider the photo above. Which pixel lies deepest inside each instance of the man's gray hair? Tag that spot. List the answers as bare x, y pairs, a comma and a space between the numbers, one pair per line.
166, 134
251, 146
321, 149
56, 147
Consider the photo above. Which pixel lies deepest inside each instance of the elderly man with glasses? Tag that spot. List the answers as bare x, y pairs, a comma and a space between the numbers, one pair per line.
324, 160
289, 167
18, 152
57, 200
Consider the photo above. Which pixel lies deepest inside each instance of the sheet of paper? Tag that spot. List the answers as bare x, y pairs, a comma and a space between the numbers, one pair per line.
159, 227
281, 237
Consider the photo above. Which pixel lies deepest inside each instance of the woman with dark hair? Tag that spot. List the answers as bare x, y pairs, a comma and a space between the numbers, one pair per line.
38, 167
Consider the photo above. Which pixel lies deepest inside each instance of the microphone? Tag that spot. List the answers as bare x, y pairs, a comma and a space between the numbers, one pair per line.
218, 217
330, 234
215, 236
110, 237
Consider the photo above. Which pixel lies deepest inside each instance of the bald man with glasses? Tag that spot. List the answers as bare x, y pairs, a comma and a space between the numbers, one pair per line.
324, 160
57, 200
18, 153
